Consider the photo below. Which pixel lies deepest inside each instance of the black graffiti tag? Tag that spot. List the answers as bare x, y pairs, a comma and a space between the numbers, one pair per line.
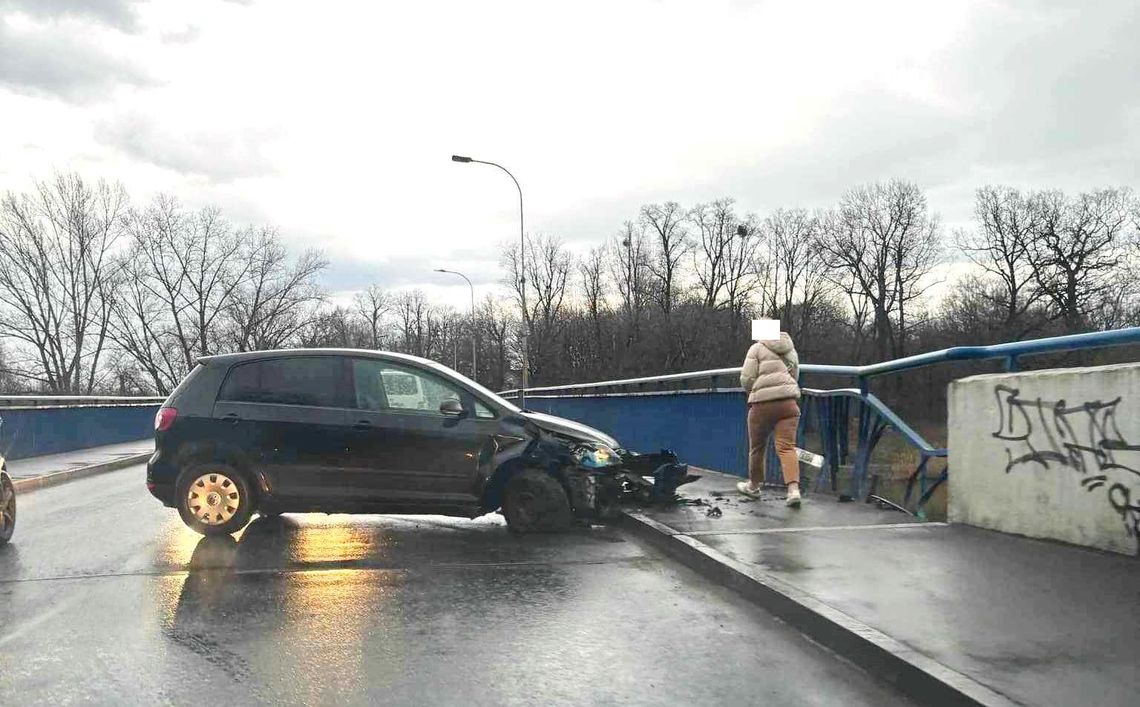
1083, 437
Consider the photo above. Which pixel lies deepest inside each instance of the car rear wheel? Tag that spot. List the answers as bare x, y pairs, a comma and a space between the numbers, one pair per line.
214, 499
7, 509
535, 502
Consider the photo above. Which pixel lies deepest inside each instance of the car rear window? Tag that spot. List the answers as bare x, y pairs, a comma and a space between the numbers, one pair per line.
312, 381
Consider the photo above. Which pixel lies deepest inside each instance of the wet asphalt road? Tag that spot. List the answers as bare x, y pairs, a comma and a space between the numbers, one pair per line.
106, 597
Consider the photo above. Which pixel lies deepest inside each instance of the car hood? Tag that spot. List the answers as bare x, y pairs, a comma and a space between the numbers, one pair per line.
569, 428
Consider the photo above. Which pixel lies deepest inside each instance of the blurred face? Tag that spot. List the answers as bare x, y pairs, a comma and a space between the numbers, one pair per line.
765, 329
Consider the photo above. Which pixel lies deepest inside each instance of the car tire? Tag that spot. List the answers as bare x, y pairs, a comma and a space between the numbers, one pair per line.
7, 509
214, 498
534, 502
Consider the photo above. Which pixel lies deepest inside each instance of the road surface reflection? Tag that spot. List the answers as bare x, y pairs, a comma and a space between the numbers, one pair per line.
293, 598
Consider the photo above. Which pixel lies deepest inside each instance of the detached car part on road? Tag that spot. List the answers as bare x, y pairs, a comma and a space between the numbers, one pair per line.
318, 430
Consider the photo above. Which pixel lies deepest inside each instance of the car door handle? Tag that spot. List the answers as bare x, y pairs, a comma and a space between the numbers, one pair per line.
362, 425
231, 418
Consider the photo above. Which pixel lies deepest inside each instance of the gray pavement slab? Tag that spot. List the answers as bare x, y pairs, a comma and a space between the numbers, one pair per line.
1038, 622
740, 513
106, 597
64, 461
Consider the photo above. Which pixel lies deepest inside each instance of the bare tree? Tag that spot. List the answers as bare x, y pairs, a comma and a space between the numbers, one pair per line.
716, 240
56, 274
8, 384
796, 286
548, 271
277, 297
184, 274
629, 254
1009, 224
332, 327
740, 266
414, 317
593, 271
882, 245
498, 323
1077, 250
666, 226
371, 306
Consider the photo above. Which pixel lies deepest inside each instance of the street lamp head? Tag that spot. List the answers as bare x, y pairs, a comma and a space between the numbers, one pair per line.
460, 158
439, 270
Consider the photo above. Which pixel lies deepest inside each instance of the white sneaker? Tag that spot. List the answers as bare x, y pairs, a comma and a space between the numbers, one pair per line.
746, 488
793, 499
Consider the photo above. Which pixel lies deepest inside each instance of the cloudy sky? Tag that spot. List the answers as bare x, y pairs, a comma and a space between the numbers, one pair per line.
335, 121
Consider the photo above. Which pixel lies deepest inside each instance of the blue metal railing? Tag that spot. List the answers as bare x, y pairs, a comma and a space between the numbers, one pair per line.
828, 411
33, 425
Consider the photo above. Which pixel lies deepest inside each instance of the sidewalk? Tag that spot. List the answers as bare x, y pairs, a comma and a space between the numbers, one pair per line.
957, 613
50, 469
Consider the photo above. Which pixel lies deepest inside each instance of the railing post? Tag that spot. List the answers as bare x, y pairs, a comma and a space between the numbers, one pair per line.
1012, 364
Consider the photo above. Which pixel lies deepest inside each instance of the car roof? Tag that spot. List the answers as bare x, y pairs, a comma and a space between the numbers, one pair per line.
244, 356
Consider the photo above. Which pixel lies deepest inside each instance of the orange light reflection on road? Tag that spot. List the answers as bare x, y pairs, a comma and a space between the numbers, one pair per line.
329, 541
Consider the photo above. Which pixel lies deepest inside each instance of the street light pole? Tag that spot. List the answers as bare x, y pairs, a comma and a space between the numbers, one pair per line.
474, 366
522, 272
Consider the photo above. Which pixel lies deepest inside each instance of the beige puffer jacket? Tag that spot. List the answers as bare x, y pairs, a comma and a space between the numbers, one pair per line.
771, 370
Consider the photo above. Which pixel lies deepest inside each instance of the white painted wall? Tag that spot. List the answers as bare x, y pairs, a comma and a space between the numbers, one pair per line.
1045, 454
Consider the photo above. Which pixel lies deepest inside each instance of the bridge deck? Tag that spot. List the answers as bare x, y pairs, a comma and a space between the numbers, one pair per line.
1040, 622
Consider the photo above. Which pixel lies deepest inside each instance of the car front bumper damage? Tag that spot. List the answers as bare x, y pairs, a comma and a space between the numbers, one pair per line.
600, 492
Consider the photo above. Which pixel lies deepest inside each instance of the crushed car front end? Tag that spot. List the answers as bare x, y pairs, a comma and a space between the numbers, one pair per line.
597, 475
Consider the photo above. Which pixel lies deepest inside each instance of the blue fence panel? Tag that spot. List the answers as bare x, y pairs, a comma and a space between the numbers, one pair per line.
704, 429
30, 432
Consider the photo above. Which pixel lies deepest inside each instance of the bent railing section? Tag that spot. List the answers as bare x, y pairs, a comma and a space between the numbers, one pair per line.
721, 443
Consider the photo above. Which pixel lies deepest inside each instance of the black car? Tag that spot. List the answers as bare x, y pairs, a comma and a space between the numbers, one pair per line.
347, 431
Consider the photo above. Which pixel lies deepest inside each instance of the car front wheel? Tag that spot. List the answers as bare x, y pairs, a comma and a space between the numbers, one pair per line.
7, 509
214, 499
535, 502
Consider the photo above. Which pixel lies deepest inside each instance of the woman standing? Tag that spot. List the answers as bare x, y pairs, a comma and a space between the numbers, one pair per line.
769, 377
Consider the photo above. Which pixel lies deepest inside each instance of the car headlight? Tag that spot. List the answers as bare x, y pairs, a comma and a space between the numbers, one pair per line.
595, 456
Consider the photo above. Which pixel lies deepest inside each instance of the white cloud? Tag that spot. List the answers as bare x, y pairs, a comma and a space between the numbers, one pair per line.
337, 124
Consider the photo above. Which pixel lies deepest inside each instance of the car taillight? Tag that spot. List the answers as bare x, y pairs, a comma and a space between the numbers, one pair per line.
164, 419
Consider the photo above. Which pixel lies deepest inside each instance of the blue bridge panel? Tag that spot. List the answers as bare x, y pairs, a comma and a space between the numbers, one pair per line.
30, 432
704, 429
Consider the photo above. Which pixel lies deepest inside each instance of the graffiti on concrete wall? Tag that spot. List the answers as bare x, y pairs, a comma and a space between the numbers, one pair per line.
1083, 437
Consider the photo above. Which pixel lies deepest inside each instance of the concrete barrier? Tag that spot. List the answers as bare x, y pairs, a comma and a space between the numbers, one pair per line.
34, 426
1049, 454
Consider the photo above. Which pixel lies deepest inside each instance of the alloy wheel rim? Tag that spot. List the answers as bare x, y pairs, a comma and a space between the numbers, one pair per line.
213, 498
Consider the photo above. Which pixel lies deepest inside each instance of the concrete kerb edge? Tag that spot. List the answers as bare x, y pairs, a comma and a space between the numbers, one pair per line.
59, 477
911, 672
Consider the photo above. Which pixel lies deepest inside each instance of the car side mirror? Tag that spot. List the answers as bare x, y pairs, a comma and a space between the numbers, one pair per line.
451, 408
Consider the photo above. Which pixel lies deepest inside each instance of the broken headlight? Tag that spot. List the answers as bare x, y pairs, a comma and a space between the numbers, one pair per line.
596, 456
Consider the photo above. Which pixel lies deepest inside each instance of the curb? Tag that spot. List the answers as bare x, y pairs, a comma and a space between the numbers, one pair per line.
60, 477
913, 673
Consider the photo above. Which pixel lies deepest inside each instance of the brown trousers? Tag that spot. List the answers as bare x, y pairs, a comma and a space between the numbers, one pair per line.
782, 416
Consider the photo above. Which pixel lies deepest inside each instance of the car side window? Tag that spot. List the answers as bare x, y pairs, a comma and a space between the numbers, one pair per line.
380, 385
313, 381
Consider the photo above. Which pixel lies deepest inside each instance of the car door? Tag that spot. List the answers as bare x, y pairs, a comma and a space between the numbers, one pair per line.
404, 449
290, 416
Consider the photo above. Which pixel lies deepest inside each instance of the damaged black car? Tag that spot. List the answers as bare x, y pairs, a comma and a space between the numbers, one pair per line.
352, 431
